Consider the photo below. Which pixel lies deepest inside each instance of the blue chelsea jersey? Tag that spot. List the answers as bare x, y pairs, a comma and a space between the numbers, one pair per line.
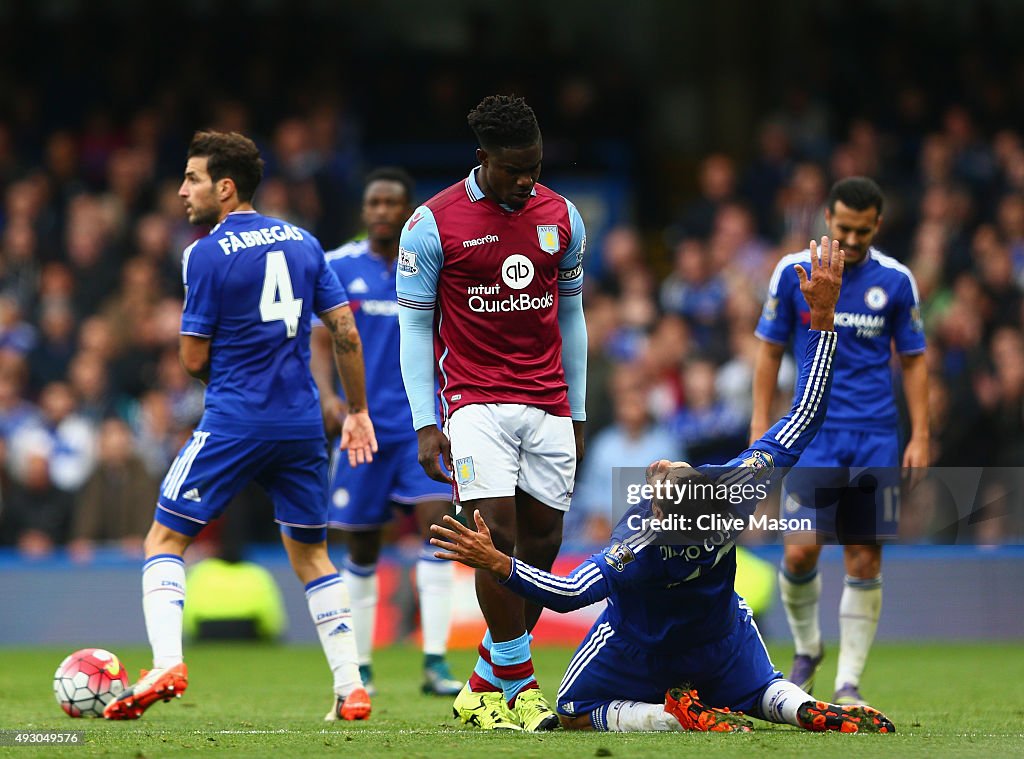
878, 304
371, 285
251, 287
681, 596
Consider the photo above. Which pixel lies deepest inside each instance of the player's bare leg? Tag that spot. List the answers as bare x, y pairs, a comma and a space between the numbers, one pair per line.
859, 609
163, 601
482, 700
800, 586
435, 581
538, 538
359, 571
329, 607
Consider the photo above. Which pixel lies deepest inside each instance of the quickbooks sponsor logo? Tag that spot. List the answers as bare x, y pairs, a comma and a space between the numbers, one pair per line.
479, 241
520, 302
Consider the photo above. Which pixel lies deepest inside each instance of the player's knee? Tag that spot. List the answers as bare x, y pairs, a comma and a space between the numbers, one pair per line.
363, 549
539, 550
800, 560
863, 562
161, 539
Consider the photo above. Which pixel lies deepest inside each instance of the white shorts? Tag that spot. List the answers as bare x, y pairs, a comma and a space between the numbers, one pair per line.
498, 447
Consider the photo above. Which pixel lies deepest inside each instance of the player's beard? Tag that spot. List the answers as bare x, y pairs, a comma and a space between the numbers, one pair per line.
204, 217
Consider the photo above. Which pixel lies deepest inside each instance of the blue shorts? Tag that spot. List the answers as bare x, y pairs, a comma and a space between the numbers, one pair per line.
847, 483
211, 468
732, 672
361, 497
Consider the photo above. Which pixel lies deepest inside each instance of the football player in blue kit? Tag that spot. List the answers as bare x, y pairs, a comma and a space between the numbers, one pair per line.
360, 499
848, 480
251, 287
676, 648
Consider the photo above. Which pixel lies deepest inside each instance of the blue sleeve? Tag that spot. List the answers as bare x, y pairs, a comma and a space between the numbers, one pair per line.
571, 322
202, 291
585, 585
573, 326
782, 445
778, 317
570, 268
419, 263
420, 259
416, 353
908, 328
330, 293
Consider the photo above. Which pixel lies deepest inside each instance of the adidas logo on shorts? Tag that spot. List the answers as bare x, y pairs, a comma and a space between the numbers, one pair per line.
192, 495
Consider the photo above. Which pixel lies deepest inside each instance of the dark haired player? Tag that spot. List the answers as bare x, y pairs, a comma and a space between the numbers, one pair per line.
673, 617
251, 286
490, 293
360, 498
859, 441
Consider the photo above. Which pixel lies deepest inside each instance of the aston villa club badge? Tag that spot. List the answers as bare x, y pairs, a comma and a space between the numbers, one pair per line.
547, 235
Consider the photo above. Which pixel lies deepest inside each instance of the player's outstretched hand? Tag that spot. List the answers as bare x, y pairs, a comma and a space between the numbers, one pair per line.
358, 438
821, 289
474, 549
433, 448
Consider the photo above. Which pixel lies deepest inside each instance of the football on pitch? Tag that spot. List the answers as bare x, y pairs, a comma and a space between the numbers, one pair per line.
88, 680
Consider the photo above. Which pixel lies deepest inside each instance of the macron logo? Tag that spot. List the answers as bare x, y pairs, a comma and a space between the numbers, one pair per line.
416, 219
479, 241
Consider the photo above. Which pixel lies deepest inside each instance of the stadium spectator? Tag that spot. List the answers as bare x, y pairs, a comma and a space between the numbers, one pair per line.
513, 381
707, 427
878, 306
634, 440
262, 416
107, 506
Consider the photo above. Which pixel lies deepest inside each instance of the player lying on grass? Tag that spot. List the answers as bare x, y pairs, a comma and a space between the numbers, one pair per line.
673, 618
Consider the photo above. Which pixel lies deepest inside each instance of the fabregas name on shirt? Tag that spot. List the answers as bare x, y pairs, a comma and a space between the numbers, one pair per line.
233, 241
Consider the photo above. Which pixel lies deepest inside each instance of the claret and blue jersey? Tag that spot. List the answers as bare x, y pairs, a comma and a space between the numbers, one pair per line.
878, 304
257, 317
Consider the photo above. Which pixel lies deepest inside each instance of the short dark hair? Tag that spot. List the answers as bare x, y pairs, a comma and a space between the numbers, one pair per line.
230, 155
393, 174
858, 193
504, 121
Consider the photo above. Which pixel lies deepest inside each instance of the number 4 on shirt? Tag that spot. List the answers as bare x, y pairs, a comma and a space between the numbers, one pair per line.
278, 301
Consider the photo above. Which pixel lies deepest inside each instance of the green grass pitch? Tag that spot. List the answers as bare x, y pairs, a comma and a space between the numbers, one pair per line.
963, 700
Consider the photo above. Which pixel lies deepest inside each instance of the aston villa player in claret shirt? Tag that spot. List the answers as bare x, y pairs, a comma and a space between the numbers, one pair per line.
490, 280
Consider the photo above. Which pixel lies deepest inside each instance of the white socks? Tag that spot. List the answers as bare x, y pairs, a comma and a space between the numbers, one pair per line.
163, 604
859, 608
800, 597
328, 602
781, 700
363, 589
434, 582
636, 716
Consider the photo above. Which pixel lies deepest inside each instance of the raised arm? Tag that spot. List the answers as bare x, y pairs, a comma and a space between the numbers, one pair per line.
789, 436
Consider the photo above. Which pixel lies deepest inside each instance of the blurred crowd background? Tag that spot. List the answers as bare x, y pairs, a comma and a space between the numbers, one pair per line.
699, 142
